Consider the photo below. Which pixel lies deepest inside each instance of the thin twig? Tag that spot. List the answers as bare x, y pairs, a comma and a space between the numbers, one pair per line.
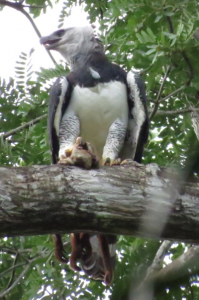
175, 112
163, 82
189, 65
20, 7
170, 24
12, 251
13, 131
18, 279
168, 96
173, 93
159, 93
15, 282
13, 271
11, 268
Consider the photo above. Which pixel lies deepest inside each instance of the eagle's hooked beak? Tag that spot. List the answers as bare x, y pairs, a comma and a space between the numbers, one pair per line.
53, 39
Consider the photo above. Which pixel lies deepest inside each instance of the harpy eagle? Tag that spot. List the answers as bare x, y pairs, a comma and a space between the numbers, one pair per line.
97, 113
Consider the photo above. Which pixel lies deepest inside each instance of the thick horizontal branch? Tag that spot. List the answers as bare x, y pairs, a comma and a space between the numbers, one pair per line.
130, 199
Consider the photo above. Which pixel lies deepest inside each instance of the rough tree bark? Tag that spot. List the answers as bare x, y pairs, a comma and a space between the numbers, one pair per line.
131, 199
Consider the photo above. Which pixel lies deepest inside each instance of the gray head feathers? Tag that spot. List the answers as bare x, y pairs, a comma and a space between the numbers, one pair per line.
74, 44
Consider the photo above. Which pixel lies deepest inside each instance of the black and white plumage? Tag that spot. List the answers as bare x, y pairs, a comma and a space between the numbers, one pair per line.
98, 101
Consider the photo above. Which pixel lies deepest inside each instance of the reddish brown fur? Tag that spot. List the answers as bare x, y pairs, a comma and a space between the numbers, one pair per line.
81, 248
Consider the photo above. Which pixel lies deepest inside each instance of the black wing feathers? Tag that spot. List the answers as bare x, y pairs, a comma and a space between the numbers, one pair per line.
55, 94
144, 131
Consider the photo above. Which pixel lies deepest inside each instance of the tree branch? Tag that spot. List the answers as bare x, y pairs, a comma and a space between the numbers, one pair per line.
173, 93
133, 200
175, 112
13, 271
20, 7
145, 289
18, 279
178, 271
13, 131
159, 257
12, 268
159, 93
170, 24
190, 67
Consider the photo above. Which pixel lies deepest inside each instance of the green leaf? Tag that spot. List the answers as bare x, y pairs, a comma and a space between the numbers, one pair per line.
157, 19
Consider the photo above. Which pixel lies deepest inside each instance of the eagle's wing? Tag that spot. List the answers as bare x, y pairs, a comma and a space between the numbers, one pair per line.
138, 124
59, 100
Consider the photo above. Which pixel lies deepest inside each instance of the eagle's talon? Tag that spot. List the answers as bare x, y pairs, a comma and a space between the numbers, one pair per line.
109, 162
116, 162
63, 160
106, 161
127, 161
80, 143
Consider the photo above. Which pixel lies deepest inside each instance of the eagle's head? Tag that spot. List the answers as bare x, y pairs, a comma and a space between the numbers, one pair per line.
73, 43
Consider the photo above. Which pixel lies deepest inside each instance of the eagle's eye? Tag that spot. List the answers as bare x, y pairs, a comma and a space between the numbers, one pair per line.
60, 32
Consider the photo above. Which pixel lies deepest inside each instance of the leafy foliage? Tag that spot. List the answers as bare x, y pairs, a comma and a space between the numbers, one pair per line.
156, 37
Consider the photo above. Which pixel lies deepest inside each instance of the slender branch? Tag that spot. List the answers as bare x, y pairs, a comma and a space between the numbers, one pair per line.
175, 112
163, 82
14, 252
170, 24
13, 271
189, 65
18, 279
173, 93
15, 5
20, 7
35, 6
168, 96
12, 268
159, 93
13, 131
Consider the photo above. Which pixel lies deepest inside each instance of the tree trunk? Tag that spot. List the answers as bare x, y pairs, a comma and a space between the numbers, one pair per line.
130, 199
